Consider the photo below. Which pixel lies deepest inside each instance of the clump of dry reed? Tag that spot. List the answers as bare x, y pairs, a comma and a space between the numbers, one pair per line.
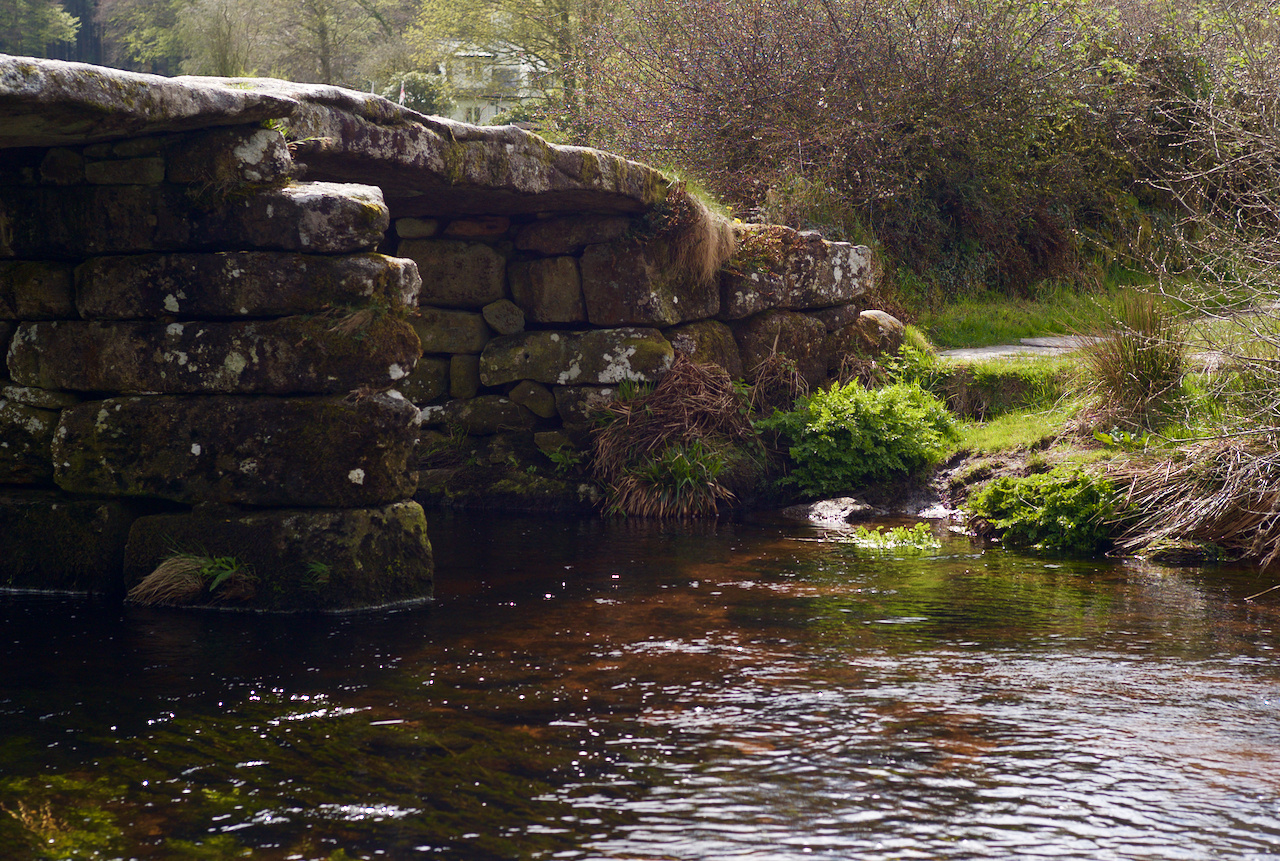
657, 453
1225, 493
776, 383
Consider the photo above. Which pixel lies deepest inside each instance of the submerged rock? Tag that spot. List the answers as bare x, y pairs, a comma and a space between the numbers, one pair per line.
845, 509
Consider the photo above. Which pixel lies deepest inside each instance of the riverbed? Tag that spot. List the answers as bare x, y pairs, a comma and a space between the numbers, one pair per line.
583, 689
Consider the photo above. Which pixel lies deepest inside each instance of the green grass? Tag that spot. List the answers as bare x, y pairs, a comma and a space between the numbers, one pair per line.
1017, 430
990, 319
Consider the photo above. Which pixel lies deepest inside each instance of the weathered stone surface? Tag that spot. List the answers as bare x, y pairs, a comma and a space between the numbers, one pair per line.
484, 227
777, 267
26, 434
599, 356
799, 337
35, 290
7, 328
417, 228
745, 293
444, 331
548, 291
457, 274
536, 397
570, 235
634, 284
578, 405
83, 221
40, 398
229, 157
428, 381
50, 103
431, 166
56, 542
125, 171
845, 509
487, 414
837, 317
504, 316
302, 559
707, 342
239, 284
62, 167
319, 451
880, 331
323, 354
464, 376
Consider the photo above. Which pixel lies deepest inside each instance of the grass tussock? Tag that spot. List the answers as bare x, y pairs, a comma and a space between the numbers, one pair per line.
185, 579
658, 453
1134, 368
698, 240
1225, 493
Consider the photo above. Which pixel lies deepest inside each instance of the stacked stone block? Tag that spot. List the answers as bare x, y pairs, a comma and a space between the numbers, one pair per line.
200, 355
529, 322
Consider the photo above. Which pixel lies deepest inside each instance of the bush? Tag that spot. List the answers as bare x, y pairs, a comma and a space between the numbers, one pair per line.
847, 436
1065, 510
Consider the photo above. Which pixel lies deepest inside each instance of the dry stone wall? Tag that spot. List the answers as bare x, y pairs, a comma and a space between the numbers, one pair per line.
235, 314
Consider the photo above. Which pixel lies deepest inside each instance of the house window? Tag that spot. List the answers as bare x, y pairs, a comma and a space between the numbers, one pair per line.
473, 115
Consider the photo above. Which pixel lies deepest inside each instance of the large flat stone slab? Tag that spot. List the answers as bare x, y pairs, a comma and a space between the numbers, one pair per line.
88, 220
325, 354
238, 284
297, 559
433, 166
322, 451
50, 103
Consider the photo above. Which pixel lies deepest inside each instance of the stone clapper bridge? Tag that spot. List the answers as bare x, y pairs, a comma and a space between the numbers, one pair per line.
232, 308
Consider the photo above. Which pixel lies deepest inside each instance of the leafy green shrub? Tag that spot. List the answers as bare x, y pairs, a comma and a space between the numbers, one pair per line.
847, 436
1065, 510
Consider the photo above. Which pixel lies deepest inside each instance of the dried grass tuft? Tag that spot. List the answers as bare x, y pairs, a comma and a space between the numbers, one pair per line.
1225, 493
176, 582
777, 383
692, 402
657, 452
699, 241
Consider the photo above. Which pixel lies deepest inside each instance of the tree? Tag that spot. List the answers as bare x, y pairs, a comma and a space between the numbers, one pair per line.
31, 25
545, 37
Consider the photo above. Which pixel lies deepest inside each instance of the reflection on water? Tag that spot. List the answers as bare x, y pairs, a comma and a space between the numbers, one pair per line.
588, 690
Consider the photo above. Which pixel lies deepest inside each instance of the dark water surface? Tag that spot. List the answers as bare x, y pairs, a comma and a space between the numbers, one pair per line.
588, 690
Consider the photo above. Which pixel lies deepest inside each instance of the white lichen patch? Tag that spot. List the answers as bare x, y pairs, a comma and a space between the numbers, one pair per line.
574, 371
397, 373
195, 449
249, 466
356, 476
171, 304
617, 367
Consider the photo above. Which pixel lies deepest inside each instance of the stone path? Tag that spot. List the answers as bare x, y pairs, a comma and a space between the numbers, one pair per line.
1026, 348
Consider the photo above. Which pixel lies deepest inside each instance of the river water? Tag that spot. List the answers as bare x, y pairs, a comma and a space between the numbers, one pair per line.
626, 690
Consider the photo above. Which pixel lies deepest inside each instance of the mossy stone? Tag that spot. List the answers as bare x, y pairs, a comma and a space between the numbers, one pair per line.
548, 290
595, 357
26, 438
314, 451
448, 331
56, 542
323, 354
798, 337
464, 375
457, 274
240, 284
36, 290
301, 559
707, 342
428, 381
